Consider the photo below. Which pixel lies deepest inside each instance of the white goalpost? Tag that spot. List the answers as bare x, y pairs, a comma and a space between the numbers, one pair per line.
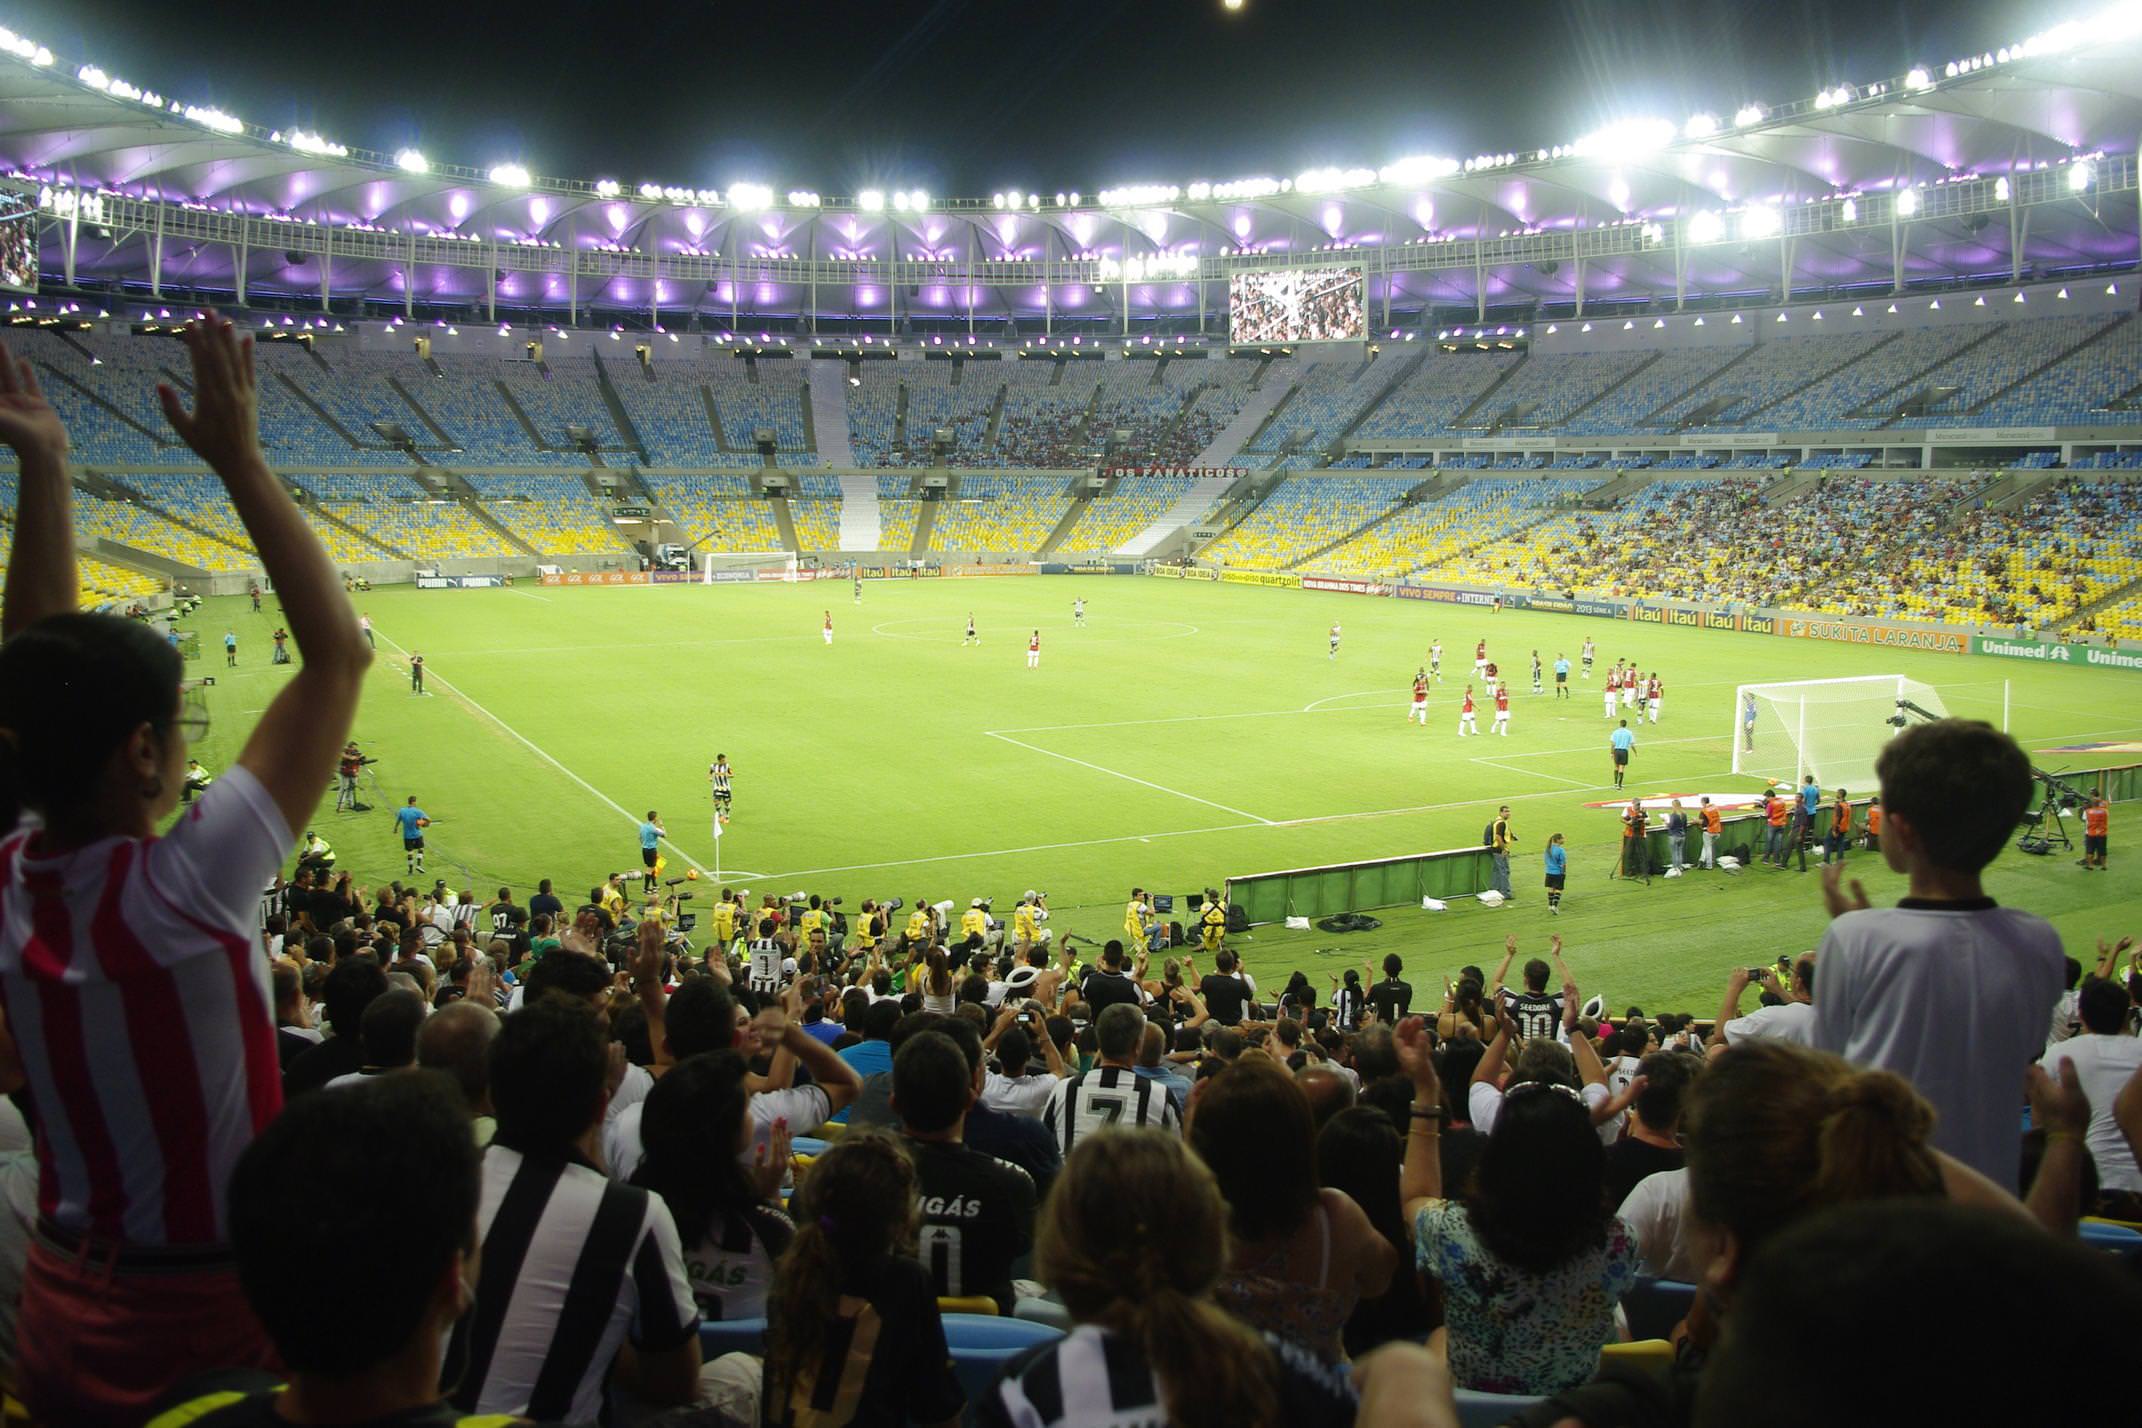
1835, 728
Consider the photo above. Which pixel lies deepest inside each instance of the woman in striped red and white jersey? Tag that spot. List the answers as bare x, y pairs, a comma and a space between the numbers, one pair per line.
129, 970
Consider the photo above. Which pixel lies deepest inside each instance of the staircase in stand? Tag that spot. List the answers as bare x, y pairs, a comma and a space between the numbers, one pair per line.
1190, 509
862, 522
829, 416
1227, 443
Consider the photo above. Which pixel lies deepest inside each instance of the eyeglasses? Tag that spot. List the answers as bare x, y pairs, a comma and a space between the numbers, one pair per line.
193, 723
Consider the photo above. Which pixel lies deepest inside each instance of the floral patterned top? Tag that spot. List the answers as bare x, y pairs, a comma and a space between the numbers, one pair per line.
1514, 1331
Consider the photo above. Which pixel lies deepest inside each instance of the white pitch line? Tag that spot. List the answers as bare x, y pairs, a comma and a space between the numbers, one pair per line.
1313, 705
538, 750
1129, 778
526, 596
1531, 773
1321, 818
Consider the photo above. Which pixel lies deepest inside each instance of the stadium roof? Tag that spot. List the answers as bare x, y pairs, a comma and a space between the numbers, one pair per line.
2017, 162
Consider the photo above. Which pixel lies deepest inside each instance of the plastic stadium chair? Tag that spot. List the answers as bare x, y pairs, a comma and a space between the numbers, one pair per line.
1654, 1306
731, 1336
1651, 1355
1491, 1410
833, 1130
982, 1347
2122, 1240
978, 1305
808, 1145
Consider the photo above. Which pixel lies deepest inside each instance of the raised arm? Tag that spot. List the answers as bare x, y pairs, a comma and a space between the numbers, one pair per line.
41, 576
1489, 1071
1502, 968
1420, 1178
1729, 1009
293, 748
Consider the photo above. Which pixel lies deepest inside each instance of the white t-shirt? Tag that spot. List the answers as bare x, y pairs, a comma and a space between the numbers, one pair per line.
1789, 1021
2103, 1064
1019, 1095
2064, 1024
1485, 1103
1955, 998
805, 1108
1657, 1213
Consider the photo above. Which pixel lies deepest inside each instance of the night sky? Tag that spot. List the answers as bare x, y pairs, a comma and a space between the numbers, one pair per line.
969, 97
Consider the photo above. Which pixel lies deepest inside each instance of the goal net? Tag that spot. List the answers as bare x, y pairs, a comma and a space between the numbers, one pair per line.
1835, 728
748, 565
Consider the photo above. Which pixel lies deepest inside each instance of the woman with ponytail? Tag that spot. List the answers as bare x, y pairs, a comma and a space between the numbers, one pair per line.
129, 963
1132, 1239
853, 1335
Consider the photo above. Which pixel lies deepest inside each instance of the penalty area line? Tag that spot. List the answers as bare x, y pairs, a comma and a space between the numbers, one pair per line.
1128, 778
535, 748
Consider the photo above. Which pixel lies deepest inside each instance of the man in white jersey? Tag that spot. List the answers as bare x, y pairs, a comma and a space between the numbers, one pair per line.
1334, 654
1587, 658
1033, 651
829, 627
1078, 613
1435, 660
972, 638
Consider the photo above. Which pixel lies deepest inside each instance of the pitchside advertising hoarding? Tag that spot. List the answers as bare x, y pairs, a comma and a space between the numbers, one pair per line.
2055, 652
1867, 632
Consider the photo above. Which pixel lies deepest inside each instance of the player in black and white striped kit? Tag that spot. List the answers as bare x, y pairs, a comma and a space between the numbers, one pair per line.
1112, 1094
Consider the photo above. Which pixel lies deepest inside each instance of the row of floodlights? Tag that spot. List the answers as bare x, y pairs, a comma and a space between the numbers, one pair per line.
1623, 139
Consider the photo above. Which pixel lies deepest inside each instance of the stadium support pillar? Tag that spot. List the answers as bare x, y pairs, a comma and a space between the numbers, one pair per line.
70, 232
490, 284
1480, 274
327, 270
156, 256
1578, 262
1383, 256
1785, 270
1201, 304
971, 229
810, 317
409, 277
240, 253
2018, 239
572, 275
1896, 250
1680, 270
654, 291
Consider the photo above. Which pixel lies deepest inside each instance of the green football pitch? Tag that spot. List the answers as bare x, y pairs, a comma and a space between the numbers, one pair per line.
1189, 732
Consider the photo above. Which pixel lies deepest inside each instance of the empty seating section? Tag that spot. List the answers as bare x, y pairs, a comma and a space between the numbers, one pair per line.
1436, 532
463, 398
1302, 514
2078, 388
117, 418
100, 581
873, 400
555, 515
291, 431
132, 523
775, 400
1136, 503
1550, 386
1008, 514
711, 510
1841, 400
893, 488
1777, 367
355, 392
569, 396
1647, 390
817, 524
1326, 397
896, 524
1987, 368
340, 486
1433, 396
198, 500
2064, 547
428, 529
822, 487
668, 411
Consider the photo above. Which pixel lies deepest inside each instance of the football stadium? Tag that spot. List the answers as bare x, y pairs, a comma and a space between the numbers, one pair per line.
1653, 616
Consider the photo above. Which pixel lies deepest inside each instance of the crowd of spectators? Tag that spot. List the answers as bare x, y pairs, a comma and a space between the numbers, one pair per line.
540, 1153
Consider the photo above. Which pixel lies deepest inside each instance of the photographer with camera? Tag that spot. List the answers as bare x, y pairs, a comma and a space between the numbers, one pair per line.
1790, 1018
1027, 920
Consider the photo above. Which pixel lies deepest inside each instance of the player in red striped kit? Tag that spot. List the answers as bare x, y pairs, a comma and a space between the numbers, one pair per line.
1419, 710
1465, 715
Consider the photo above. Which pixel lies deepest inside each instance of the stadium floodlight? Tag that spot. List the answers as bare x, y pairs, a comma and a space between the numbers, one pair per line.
1979, 301
1628, 138
509, 176
1859, 312
2062, 295
1783, 318
608, 188
1907, 202
871, 200
1918, 78
899, 200
2081, 174
410, 161
918, 201
750, 197
1747, 114
1760, 221
1700, 126
2000, 190
1419, 168
1705, 226
1934, 306
1850, 211
2019, 295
